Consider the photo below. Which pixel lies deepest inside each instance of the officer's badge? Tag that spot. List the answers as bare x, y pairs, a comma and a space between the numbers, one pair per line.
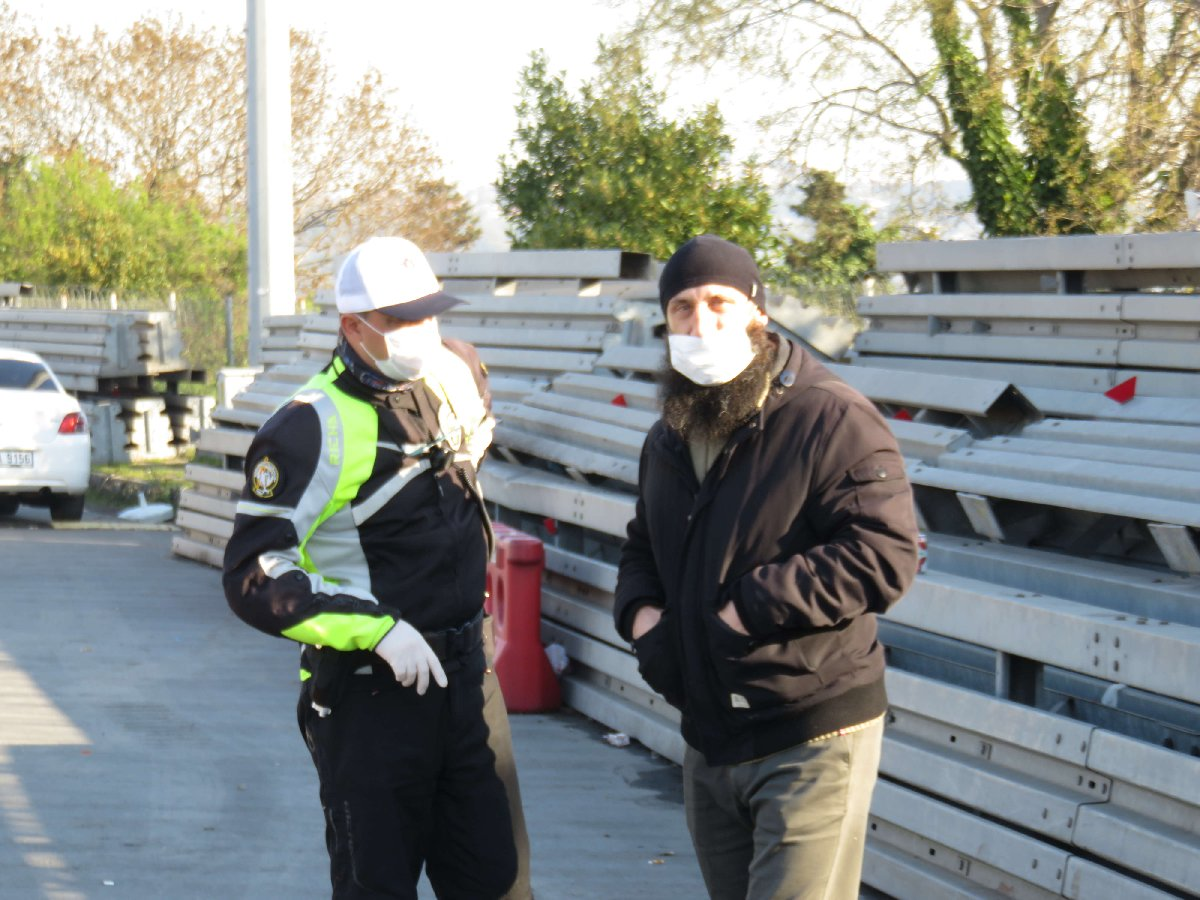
264, 480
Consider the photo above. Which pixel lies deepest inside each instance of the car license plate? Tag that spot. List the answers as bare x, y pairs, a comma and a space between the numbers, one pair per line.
20, 458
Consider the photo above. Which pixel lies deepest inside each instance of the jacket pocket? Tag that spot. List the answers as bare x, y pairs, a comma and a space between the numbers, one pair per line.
764, 675
726, 642
658, 662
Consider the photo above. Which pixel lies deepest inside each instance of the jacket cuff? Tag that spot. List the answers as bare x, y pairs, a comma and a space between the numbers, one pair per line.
739, 603
625, 626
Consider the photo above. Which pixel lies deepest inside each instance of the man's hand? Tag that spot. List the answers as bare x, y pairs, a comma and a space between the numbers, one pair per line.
645, 619
729, 615
411, 658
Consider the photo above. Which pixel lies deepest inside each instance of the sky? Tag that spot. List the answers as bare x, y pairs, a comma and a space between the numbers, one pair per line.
455, 66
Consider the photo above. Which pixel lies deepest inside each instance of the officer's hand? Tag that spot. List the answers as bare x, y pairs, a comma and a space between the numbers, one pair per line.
643, 620
411, 658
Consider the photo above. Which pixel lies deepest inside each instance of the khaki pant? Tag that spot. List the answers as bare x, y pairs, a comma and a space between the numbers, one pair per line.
791, 825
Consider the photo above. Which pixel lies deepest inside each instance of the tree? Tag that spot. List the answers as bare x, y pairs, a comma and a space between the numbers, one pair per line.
68, 223
841, 250
22, 95
1066, 185
361, 170
163, 104
607, 169
1055, 186
160, 103
1066, 116
1000, 182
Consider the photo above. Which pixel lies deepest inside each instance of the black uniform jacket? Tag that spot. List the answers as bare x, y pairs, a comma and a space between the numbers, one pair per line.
806, 522
409, 538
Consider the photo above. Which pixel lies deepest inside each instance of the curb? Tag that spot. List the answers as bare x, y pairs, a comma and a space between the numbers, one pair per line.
113, 525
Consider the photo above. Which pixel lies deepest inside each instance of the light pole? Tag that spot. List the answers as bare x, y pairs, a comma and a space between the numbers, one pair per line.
272, 279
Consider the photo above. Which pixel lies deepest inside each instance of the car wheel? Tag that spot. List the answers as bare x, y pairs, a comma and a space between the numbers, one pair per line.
8, 505
67, 508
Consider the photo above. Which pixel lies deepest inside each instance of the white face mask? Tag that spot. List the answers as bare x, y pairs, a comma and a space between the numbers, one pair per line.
716, 359
411, 349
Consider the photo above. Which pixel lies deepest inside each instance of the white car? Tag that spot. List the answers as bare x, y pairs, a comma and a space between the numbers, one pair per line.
45, 447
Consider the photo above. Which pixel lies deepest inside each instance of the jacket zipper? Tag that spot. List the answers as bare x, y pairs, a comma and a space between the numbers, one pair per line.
713, 697
702, 496
478, 498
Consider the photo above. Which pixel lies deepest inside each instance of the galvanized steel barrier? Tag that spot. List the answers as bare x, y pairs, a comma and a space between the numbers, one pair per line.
113, 361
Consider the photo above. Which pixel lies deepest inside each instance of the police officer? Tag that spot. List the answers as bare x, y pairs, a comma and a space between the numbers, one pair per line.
362, 535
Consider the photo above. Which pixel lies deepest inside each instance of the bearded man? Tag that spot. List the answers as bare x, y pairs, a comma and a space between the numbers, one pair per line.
774, 522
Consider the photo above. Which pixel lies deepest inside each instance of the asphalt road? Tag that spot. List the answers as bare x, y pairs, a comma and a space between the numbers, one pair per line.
148, 746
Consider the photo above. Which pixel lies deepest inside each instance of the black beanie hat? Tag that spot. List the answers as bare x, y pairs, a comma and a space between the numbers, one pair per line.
708, 259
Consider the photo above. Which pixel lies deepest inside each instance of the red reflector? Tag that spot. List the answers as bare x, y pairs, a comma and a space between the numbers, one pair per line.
1124, 391
73, 423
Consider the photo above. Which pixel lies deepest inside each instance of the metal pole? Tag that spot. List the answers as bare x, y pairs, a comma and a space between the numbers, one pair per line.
269, 168
229, 329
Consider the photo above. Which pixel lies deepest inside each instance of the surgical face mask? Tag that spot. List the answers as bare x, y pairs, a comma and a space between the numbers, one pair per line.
717, 358
411, 349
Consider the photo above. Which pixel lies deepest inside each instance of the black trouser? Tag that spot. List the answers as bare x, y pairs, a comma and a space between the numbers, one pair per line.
408, 781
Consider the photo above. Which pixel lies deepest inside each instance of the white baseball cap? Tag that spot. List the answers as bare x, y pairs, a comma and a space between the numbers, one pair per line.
391, 275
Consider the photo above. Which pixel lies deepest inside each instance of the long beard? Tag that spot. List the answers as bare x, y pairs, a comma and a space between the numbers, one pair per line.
714, 412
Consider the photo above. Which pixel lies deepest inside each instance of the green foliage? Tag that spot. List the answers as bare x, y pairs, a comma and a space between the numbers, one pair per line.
841, 251
160, 107
1000, 182
1055, 185
67, 223
606, 169
1066, 117
1071, 195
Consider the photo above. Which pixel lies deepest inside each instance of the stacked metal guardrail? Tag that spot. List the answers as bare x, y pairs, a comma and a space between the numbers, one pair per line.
1045, 725
1062, 574
111, 360
1065, 320
531, 315
87, 349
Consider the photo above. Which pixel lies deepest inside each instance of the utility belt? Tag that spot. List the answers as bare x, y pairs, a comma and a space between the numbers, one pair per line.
334, 669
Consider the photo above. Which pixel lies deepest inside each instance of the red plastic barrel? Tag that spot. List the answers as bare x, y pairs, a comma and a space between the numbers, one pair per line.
515, 602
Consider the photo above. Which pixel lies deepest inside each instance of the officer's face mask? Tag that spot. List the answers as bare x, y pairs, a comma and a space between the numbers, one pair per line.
411, 349
716, 358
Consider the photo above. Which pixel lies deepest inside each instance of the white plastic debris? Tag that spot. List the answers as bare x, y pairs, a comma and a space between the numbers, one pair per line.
1112, 695
617, 739
147, 512
557, 654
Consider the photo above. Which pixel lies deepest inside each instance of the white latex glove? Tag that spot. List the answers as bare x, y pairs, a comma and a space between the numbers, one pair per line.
411, 658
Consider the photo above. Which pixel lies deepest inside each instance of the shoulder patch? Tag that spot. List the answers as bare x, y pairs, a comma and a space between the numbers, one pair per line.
265, 479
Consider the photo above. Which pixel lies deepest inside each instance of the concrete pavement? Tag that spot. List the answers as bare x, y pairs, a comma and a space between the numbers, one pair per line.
148, 746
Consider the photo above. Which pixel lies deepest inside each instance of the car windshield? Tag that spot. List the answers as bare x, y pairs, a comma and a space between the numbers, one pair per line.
24, 375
